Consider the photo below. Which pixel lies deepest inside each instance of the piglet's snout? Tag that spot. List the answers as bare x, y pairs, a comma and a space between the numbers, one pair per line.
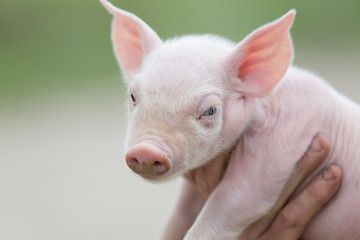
148, 160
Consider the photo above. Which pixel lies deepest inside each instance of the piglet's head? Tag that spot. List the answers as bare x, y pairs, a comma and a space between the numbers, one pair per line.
190, 98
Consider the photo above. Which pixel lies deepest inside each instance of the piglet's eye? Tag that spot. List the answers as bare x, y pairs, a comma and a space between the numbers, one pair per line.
132, 98
211, 111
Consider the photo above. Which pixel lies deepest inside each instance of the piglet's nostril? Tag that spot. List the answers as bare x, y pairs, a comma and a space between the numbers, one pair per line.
133, 162
159, 167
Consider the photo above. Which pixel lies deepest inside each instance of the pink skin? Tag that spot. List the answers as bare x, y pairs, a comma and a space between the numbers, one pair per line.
195, 99
147, 160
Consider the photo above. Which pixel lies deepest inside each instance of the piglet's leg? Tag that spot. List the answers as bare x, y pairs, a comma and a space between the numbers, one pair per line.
227, 213
187, 209
242, 197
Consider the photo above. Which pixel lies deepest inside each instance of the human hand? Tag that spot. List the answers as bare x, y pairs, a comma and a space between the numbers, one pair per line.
289, 221
285, 220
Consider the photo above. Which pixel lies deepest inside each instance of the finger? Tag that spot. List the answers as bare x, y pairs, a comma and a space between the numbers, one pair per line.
312, 158
292, 220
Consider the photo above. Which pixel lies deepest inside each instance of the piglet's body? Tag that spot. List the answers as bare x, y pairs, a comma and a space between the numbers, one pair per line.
195, 98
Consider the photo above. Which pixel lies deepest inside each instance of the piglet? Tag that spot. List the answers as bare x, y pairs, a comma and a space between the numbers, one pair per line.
195, 99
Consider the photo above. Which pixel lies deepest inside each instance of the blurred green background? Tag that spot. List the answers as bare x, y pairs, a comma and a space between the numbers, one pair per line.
57, 45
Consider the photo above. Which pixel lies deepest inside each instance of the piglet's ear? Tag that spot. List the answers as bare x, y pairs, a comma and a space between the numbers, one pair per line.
132, 38
261, 60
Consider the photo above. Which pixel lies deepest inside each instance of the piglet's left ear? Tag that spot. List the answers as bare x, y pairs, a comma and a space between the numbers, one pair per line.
261, 60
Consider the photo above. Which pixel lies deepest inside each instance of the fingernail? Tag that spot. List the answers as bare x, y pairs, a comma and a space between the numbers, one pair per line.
328, 174
316, 145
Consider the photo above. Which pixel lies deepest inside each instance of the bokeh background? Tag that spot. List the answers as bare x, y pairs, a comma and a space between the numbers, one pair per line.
62, 119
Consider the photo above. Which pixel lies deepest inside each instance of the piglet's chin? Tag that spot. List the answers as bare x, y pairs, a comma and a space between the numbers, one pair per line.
149, 159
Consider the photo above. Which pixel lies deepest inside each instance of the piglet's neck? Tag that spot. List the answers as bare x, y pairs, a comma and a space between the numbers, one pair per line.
280, 107
300, 107
206, 178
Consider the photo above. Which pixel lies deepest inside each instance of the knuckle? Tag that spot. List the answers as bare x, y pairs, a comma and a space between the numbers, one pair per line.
315, 196
288, 218
304, 161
